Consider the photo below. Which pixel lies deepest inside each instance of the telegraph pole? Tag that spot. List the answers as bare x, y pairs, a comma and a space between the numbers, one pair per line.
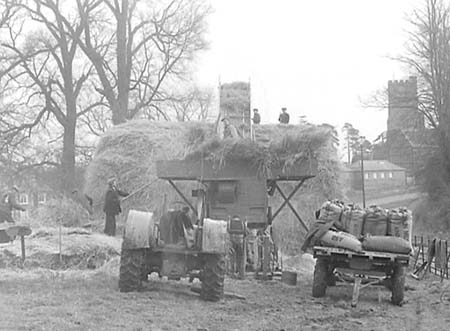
362, 173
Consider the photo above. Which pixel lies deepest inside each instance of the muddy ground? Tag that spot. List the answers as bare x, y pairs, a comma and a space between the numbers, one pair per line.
41, 299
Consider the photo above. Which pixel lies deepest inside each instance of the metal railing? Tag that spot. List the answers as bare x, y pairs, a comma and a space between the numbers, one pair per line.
431, 255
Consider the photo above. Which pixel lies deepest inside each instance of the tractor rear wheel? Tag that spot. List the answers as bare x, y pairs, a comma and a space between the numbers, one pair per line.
320, 278
213, 277
131, 270
398, 285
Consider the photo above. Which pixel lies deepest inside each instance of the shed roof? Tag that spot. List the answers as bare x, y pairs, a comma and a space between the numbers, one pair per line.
375, 165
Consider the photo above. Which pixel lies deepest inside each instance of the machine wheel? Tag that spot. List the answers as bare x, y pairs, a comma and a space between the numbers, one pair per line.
398, 285
213, 277
320, 278
131, 270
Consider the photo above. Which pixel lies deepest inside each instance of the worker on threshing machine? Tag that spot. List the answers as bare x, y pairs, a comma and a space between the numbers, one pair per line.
284, 116
229, 130
256, 116
112, 206
8, 204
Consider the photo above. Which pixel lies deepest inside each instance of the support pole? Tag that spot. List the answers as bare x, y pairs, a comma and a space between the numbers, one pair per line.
362, 178
266, 257
22, 245
356, 287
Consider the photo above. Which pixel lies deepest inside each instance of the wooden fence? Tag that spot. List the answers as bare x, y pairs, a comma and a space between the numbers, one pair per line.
431, 255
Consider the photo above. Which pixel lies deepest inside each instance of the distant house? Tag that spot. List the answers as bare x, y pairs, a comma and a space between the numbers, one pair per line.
31, 197
378, 174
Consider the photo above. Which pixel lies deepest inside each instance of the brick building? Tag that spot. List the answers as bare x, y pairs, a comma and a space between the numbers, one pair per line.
378, 174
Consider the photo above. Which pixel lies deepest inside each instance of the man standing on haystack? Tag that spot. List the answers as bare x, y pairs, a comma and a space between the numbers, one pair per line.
284, 116
256, 117
112, 206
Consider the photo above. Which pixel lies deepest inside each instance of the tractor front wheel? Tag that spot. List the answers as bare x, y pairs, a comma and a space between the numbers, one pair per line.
320, 278
213, 277
131, 268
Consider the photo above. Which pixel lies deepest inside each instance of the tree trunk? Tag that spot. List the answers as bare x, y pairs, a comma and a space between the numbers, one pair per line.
68, 154
68, 160
122, 63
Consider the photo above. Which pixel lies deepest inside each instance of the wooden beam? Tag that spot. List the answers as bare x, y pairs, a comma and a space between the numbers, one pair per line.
292, 208
286, 200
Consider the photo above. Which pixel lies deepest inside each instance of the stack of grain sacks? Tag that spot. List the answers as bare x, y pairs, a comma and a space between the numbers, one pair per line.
370, 229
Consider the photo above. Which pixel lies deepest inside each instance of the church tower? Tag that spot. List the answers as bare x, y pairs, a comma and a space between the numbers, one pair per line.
402, 104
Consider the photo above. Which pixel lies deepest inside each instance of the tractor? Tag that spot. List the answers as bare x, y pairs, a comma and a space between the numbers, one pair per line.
231, 209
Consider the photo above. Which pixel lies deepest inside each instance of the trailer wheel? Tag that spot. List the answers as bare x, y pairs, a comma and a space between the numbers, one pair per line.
398, 285
213, 277
131, 270
320, 278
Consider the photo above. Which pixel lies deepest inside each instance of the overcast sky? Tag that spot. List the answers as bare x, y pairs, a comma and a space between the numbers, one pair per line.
317, 58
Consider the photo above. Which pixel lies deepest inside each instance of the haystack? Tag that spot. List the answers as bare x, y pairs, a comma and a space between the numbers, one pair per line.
129, 151
75, 248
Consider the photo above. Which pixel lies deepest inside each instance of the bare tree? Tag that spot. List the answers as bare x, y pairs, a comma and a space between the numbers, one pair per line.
193, 104
44, 77
429, 55
352, 140
139, 47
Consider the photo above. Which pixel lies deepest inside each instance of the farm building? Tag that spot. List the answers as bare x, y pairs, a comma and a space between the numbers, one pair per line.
378, 174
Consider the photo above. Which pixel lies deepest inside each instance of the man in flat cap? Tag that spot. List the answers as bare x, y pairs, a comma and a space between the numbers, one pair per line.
256, 116
112, 206
284, 116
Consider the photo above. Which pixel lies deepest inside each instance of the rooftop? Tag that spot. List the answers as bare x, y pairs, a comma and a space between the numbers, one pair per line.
374, 165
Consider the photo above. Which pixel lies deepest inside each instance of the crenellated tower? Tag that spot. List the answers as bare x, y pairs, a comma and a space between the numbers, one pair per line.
403, 106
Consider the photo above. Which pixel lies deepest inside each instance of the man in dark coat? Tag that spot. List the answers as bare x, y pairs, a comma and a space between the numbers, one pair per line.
112, 206
8, 204
284, 116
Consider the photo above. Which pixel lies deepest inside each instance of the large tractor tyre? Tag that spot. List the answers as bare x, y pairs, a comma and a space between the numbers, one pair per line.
213, 277
131, 270
320, 278
398, 285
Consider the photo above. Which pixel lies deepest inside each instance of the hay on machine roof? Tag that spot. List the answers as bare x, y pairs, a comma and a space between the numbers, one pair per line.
274, 146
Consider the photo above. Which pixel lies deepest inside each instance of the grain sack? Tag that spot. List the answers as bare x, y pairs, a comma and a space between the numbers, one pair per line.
386, 244
331, 211
341, 239
375, 222
353, 219
400, 223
